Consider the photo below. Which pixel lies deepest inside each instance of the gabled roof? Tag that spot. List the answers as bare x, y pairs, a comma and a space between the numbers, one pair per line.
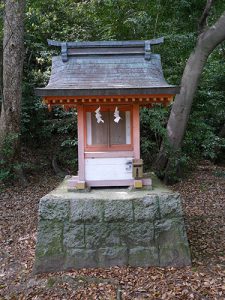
106, 68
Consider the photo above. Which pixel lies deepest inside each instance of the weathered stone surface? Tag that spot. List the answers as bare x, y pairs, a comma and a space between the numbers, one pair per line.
47, 264
49, 238
170, 205
81, 258
51, 207
118, 211
49, 254
143, 228
137, 234
102, 235
73, 236
170, 230
176, 255
86, 211
146, 209
172, 242
112, 257
143, 257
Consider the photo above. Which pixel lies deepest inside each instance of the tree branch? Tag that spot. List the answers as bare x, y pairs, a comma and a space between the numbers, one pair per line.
203, 20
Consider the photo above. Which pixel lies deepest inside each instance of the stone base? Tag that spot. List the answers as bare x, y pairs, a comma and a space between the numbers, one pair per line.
109, 227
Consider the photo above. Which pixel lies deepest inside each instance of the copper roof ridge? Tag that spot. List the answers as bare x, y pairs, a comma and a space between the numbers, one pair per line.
106, 47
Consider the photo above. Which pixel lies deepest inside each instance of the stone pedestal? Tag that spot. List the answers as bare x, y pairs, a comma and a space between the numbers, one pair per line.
109, 227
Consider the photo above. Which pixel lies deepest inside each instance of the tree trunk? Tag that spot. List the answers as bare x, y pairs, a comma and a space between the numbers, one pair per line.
177, 123
13, 56
1, 71
222, 132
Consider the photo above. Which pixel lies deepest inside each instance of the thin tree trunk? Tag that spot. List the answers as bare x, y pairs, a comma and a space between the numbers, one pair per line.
13, 56
203, 20
222, 132
1, 70
177, 123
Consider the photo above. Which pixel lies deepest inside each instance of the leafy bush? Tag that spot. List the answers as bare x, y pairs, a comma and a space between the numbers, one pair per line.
6, 156
153, 122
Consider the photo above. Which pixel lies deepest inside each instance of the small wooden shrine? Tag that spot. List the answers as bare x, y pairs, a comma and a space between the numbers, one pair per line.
107, 82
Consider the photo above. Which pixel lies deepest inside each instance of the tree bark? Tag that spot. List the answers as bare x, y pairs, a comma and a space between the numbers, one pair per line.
203, 20
207, 41
1, 71
13, 56
222, 132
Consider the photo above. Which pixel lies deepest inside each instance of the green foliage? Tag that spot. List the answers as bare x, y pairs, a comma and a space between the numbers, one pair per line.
7, 149
68, 160
201, 141
179, 162
153, 130
4, 171
6, 155
219, 173
69, 143
208, 112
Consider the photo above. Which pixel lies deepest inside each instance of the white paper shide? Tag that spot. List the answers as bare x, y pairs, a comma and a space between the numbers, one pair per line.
98, 115
117, 115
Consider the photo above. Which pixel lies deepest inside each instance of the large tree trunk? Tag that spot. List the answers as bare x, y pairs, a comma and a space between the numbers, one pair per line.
177, 123
13, 56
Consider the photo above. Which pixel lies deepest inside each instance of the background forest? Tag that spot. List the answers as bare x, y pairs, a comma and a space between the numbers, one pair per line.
50, 137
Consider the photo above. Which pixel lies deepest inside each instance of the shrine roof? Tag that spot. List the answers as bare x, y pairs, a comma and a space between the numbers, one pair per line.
106, 68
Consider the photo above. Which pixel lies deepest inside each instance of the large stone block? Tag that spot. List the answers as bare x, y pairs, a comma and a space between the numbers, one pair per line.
113, 256
172, 242
45, 264
143, 257
86, 210
171, 230
102, 235
170, 205
49, 254
81, 258
51, 207
176, 255
147, 208
137, 234
118, 211
49, 238
73, 236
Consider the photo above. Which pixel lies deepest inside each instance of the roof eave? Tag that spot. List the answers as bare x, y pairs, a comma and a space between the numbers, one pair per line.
170, 90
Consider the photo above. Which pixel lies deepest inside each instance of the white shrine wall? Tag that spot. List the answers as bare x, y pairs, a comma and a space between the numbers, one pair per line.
114, 168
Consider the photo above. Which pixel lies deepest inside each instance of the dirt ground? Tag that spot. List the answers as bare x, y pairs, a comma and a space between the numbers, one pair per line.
203, 196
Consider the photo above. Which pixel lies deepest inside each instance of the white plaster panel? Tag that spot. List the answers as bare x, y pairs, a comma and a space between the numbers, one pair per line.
128, 138
118, 168
89, 137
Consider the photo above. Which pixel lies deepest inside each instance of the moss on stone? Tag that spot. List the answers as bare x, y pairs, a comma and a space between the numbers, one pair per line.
50, 238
